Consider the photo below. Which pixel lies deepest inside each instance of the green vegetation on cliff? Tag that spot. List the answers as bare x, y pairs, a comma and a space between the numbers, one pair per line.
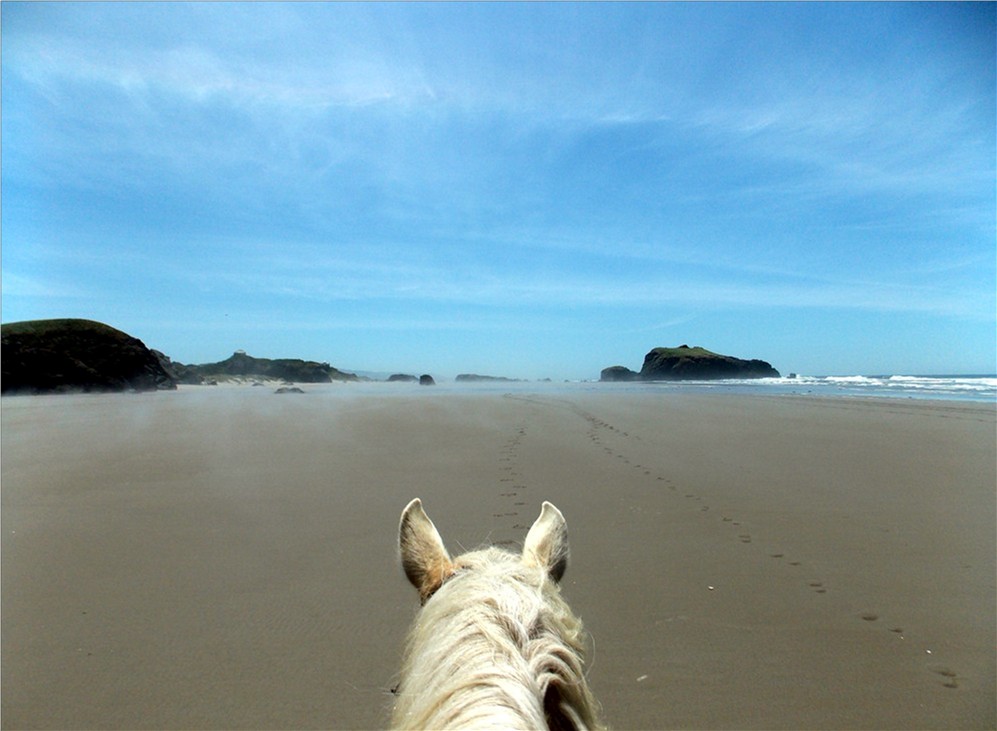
66, 355
284, 369
686, 363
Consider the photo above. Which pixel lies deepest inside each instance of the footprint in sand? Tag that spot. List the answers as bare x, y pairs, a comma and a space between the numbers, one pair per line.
949, 676
869, 616
817, 586
745, 538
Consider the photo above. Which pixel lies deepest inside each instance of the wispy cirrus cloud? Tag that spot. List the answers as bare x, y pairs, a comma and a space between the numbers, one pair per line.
37, 287
359, 280
198, 74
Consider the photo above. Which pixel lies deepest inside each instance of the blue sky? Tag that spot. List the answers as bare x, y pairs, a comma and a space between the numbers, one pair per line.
530, 190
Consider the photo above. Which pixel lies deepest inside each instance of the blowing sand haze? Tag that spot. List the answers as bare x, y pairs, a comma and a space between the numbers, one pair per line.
227, 558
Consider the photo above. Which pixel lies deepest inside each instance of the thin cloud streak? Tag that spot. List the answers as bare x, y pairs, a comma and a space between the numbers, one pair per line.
18, 286
353, 283
201, 76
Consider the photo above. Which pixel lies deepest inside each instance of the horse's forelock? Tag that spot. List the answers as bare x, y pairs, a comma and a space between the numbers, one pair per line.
495, 639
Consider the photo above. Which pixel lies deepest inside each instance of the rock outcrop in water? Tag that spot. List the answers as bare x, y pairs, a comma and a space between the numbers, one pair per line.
618, 373
73, 355
424, 380
690, 364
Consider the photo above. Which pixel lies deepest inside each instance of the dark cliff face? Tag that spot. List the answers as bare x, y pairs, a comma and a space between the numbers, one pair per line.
53, 356
698, 364
180, 373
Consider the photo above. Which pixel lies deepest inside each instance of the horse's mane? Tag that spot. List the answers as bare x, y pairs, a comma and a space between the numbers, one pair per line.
495, 647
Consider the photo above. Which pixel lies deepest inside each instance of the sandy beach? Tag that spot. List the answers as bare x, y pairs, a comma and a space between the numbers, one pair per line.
225, 558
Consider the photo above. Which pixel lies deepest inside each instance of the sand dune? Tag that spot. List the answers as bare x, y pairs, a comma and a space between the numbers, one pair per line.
226, 558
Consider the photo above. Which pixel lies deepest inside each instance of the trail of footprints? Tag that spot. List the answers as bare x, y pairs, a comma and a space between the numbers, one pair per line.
512, 481
601, 432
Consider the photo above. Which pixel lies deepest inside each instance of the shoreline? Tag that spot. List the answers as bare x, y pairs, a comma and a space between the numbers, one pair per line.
966, 390
740, 561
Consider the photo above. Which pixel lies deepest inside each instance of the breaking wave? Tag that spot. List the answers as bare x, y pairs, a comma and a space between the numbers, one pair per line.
957, 387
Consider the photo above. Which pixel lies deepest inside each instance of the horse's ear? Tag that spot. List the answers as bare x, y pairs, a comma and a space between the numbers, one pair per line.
547, 542
424, 557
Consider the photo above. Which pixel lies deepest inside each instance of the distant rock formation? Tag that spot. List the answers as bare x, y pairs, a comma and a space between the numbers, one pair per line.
178, 371
475, 378
73, 355
690, 364
402, 378
426, 380
698, 364
618, 373
289, 389
282, 369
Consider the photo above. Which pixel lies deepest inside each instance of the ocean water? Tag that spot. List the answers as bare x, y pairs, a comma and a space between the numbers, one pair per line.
971, 388
976, 388
979, 388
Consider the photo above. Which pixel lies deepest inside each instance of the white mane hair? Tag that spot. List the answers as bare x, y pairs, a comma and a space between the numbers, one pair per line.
494, 646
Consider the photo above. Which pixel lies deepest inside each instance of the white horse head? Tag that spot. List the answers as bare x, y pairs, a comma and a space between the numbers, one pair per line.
495, 645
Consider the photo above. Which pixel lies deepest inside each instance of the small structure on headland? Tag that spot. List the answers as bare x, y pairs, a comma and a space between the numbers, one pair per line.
240, 365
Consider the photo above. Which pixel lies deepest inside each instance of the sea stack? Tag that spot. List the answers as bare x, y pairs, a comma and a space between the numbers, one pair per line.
699, 364
686, 363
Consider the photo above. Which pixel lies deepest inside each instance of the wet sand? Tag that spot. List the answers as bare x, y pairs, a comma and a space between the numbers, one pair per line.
225, 558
